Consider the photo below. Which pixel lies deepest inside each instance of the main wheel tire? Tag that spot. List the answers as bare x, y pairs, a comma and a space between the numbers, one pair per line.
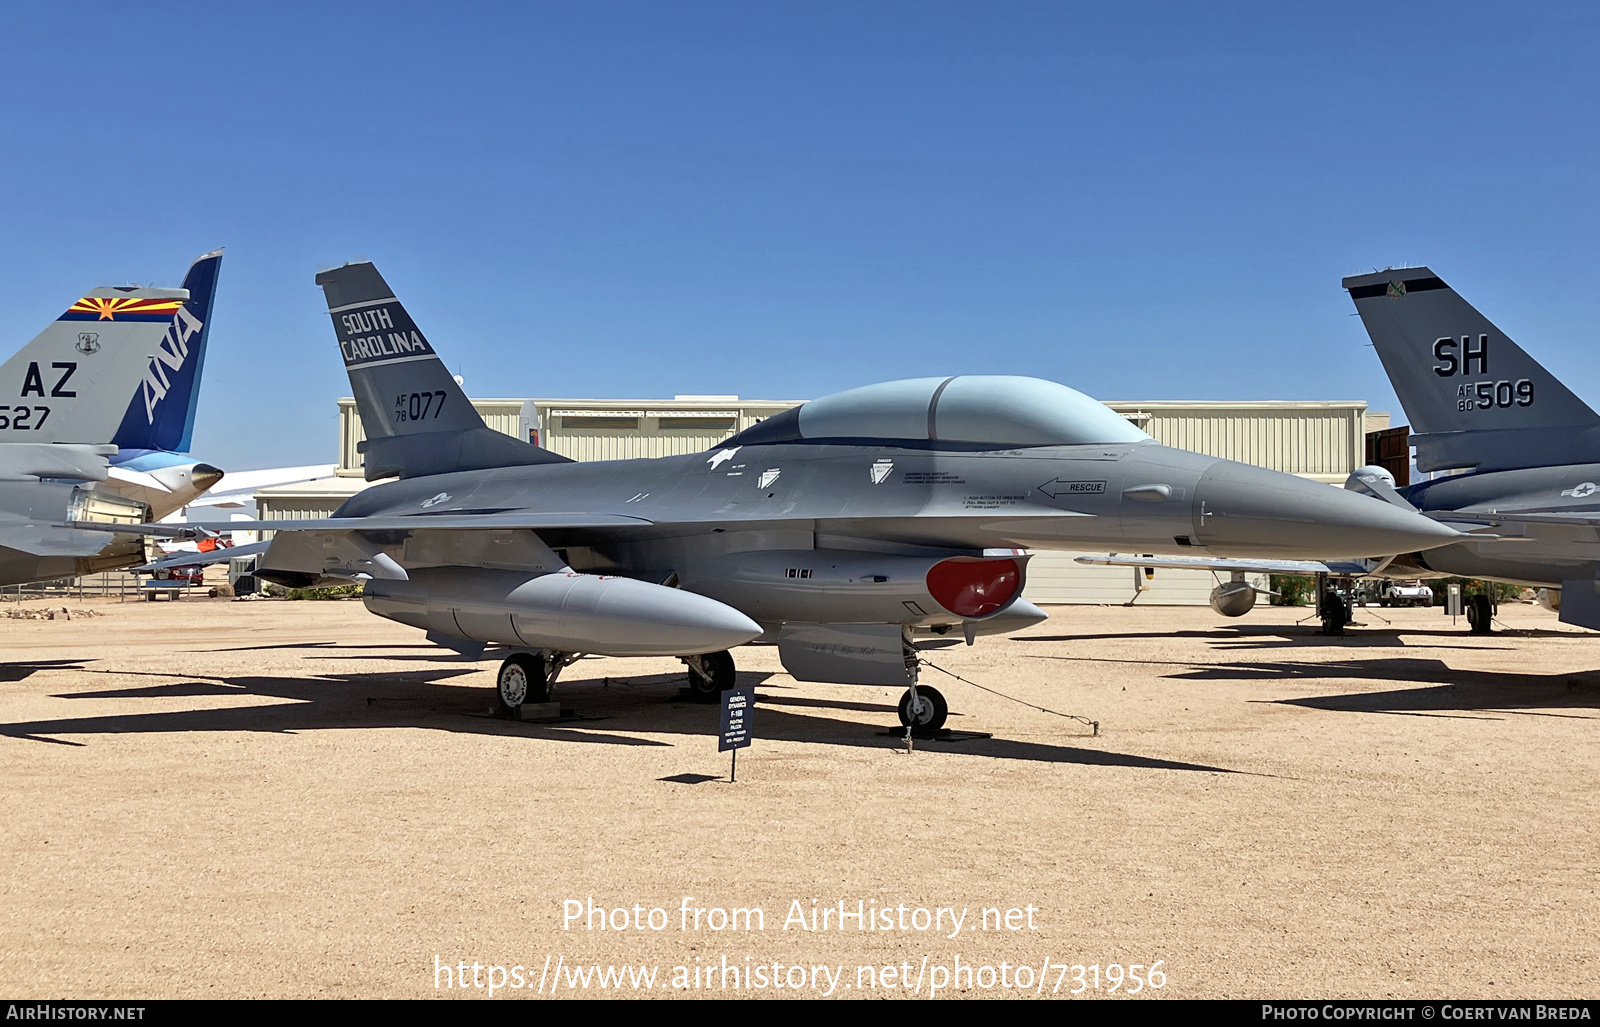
723, 676
1334, 614
1480, 614
521, 681
931, 711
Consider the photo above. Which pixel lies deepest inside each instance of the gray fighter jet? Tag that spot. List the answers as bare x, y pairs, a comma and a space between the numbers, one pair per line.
836, 530
94, 414
1525, 449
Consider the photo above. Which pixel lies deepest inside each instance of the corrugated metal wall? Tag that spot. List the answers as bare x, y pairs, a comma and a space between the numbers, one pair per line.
296, 508
503, 415
653, 431
1322, 440
620, 445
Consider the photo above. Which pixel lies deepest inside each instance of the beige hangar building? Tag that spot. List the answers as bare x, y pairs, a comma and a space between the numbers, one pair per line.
1323, 441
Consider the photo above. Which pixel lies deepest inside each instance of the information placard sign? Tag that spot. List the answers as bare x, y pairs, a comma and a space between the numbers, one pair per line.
737, 706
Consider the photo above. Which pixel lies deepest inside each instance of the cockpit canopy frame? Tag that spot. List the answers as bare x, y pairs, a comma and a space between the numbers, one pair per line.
1009, 411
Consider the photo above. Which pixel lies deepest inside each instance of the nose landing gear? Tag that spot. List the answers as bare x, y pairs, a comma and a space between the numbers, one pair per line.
923, 709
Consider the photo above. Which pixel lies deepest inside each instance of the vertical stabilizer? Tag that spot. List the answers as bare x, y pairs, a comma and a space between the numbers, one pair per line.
73, 382
1473, 396
416, 418
161, 415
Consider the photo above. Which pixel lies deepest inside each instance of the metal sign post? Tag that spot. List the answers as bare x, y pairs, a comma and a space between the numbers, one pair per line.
1452, 601
737, 706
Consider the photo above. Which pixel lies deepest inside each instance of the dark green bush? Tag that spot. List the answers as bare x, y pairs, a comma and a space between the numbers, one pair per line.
333, 592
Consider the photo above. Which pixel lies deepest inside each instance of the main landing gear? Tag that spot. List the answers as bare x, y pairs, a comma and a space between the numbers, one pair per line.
1480, 614
1335, 604
710, 675
529, 677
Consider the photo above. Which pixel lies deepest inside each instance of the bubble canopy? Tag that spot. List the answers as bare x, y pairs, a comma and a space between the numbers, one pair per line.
995, 410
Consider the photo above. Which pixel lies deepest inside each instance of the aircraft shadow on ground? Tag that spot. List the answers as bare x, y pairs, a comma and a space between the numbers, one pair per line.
1309, 636
608, 709
1445, 688
27, 668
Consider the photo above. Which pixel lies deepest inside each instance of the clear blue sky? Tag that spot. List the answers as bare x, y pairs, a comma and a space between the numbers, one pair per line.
783, 200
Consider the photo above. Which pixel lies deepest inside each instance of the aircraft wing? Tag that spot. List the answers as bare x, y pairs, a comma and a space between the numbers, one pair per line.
21, 461
1581, 518
1342, 568
414, 522
193, 559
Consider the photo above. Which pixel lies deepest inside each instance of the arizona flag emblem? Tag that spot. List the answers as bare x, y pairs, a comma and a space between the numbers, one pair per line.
109, 308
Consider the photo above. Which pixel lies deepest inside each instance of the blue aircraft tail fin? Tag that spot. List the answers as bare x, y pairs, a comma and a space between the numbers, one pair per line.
161, 415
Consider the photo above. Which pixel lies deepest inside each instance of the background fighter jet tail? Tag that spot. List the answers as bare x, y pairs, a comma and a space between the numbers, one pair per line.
1474, 398
72, 383
417, 419
161, 416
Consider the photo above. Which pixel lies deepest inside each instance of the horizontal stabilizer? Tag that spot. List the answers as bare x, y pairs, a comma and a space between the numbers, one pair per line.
26, 461
201, 559
56, 540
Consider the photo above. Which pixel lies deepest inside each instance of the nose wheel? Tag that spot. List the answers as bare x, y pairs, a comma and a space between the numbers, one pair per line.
710, 675
923, 709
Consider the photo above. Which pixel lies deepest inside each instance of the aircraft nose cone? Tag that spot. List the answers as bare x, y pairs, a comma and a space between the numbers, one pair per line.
1250, 511
203, 476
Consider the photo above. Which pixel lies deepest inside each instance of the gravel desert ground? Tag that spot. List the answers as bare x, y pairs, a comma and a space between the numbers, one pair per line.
231, 799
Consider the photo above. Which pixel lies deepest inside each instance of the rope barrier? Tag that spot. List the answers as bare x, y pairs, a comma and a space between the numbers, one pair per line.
1093, 724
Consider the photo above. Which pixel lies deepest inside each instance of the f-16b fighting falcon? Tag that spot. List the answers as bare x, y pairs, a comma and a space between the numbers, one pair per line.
835, 530
96, 415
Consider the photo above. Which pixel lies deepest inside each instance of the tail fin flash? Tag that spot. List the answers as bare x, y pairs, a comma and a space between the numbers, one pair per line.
72, 382
1474, 397
417, 419
161, 415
